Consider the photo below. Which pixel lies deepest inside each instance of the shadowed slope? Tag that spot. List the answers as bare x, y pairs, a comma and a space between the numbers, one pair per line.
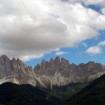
12, 94
93, 94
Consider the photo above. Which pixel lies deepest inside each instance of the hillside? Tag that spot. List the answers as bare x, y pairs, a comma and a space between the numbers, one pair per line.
93, 94
65, 92
12, 94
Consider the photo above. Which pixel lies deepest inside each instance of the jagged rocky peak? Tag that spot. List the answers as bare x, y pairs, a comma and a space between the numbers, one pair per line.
18, 61
37, 67
96, 66
51, 61
52, 67
4, 58
57, 60
90, 62
9, 67
44, 62
14, 59
64, 61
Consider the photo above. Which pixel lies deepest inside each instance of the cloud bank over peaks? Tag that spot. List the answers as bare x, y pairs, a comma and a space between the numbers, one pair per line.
31, 28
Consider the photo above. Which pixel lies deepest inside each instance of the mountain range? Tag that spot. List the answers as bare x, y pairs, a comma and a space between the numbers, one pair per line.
56, 72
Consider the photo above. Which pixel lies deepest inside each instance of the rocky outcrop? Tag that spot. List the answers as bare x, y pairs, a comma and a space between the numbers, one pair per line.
54, 72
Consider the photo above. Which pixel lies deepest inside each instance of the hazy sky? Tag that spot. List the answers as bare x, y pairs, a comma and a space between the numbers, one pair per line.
39, 29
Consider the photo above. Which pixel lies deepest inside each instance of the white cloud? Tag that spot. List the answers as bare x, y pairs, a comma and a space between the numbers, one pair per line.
93, 2
87, 2
31, 28
96, 49
27, 58
103, 11
60, 53
102, 43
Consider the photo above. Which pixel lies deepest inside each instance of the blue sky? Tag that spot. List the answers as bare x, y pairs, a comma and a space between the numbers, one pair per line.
42, 29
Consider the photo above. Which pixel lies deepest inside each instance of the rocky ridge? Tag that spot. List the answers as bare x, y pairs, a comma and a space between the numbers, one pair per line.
55, 72
61, 72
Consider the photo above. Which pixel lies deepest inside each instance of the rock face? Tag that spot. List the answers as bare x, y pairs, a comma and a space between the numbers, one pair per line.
55, 72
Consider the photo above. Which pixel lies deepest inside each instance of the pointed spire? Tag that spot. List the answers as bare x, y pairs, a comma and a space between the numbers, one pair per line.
57, 60
4, 57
